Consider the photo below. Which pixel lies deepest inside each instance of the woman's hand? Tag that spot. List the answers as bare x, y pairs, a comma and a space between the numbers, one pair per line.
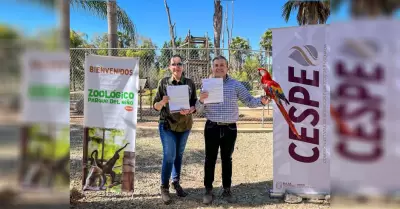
164, 100
159, 105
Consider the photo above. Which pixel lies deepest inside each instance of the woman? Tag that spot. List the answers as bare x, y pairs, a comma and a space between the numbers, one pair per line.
174, 128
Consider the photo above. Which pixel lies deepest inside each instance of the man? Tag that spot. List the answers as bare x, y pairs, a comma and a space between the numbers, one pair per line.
174, 128
220, 129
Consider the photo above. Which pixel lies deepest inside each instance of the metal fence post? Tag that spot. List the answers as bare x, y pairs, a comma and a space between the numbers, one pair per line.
140, 103
262, 120
150, 94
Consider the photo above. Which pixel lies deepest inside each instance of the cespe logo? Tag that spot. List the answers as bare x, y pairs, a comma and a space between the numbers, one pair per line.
129, 108
306, 55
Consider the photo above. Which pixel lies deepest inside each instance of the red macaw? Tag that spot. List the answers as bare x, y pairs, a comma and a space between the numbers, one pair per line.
274, 91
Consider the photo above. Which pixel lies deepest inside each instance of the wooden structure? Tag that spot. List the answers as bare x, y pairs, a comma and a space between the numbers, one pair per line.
128, 172
196, 67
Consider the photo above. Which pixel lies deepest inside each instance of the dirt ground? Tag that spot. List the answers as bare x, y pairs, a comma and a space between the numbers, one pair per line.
252, 175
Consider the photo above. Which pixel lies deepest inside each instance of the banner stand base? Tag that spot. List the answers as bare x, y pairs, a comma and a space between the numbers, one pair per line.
290, 197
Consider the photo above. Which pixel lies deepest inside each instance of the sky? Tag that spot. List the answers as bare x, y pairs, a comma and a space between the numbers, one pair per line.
251, 18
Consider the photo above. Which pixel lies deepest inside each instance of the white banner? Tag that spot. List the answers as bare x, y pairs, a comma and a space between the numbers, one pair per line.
45, 87
111, 101
364, 81
46, 115
111, 86
299, 66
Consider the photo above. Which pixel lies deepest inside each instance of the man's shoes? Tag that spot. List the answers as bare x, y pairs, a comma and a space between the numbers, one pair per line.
227, 195
179, 189
208, 197
166, 198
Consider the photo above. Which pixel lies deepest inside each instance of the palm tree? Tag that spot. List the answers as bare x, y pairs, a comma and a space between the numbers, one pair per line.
77, 39
115, 16
309, 12
147, 55
124, 40
104, 9
266, 44
239, 47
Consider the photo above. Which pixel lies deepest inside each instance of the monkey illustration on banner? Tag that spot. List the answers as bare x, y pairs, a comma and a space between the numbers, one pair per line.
98, 171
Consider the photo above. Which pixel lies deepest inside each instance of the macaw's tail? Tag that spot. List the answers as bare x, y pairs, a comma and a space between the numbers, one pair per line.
339, 122
286, 116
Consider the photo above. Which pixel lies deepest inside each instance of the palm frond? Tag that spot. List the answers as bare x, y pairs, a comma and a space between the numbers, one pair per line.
308, 12
302, 14
125, 22
99, 8
287, 9
324, 12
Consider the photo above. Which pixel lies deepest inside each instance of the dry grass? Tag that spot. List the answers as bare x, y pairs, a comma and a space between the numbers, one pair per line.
252, 175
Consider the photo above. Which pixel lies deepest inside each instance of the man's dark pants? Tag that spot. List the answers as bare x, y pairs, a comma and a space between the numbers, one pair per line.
224, 137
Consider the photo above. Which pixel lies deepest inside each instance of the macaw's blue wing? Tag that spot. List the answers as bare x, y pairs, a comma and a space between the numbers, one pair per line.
278, 92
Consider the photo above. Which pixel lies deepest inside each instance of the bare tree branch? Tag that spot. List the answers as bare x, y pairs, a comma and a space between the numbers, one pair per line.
230, 37
171, 27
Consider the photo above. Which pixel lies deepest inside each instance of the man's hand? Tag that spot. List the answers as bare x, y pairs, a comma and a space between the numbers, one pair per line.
203, 96
164, 100
184, 112
192, 109
265, 100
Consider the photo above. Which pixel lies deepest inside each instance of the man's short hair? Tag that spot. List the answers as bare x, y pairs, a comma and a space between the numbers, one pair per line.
220, 57
176, 55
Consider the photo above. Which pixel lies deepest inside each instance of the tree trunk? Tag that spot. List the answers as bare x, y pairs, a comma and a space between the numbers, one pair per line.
217, 26
171, 28
314, 21
64, 24
112, 27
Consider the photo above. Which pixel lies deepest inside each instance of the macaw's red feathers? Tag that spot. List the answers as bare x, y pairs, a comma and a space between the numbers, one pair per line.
274, 91
287, 118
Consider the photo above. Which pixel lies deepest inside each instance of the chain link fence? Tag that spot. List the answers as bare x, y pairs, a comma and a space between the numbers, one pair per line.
153, 66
